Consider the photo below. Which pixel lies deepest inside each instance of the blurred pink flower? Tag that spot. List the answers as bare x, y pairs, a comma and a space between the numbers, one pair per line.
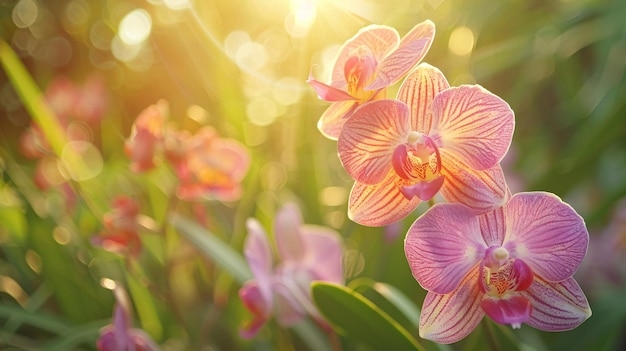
119, 336
367, 64
71, 102
121, 229
307, 253
146, 140
210, 167
514, 264
433, 138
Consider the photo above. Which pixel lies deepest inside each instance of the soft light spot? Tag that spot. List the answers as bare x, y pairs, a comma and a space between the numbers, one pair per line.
123, 51
135, 27
86, 153
198, 114
177, 4
13, 289
461, 41
108, 283
262, 111
101, 35
61, 235
335, 219
298, 22
287, 91
77, 13
234, 40
33, 260
25, 13
333, 196
251, 56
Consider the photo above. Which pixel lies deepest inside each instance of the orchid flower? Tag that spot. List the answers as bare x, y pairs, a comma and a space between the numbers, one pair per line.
306, 252
121, 227
210, 166
433, 138
367, 64
146, 139
119, 336
514, 264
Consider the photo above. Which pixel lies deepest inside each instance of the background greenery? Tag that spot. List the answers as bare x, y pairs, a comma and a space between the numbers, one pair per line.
241, 67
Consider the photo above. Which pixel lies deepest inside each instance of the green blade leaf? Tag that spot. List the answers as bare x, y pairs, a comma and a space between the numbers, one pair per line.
225, 256
358, 318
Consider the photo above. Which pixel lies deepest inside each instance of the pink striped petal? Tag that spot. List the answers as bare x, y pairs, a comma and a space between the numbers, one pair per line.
557, 306
483, 191
513, 310
474, 124
369, 138
443, 245
451, 317
418, 91
493, 226
323, 253
381, 40
546, 233
380, 204
258, 253
412, 49
332, 120
327, 92
288, 237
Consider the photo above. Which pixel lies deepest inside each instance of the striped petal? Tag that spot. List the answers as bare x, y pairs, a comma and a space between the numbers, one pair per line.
493, 226
546, 233
418, 91
327, 92
483, 191
332, 120
443, 245
380, 204
288, 238
369, 138
557, 306
451, 317
412, 49
381, 40
474, 124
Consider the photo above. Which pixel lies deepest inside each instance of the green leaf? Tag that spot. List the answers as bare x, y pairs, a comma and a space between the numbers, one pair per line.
358, 318
223, 255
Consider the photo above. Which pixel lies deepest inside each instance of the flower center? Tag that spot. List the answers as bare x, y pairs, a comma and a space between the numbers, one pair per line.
418, 159
502, 274
360, 70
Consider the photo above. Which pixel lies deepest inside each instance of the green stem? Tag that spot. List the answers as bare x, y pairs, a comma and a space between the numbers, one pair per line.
491, 336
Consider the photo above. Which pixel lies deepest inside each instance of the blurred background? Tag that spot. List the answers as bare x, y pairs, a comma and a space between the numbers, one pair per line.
241, 66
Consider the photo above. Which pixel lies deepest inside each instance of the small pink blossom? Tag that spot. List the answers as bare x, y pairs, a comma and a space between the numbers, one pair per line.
514, 264
119, 336
121, 228
307, 253
145, 143
368, 63
210, 166
433, 138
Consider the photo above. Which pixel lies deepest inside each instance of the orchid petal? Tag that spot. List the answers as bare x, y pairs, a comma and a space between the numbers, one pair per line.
449, 318
327, 92
332, 120
231, 157
380, 40
442, 246
369, 138
380, 204
260, 307
493, 226
474, 124
258, 253
425, 190
411, 50
289, 302
142, 341
557, 306
546, 233
288, 238
323, 253
513, 310
481, 190
418, 91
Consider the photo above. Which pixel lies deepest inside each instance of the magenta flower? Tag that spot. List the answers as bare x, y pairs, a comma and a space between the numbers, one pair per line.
306, 252
367, 64
433, 138
119, 336
514, 264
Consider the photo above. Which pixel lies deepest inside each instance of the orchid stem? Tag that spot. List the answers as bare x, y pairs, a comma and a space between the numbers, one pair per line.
491, 337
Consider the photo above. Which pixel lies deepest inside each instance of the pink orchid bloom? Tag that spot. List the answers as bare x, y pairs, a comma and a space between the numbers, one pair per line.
211, 167
368, 63
433, 138
119, 336
121, 228
307, 253
514, 264
146, 139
